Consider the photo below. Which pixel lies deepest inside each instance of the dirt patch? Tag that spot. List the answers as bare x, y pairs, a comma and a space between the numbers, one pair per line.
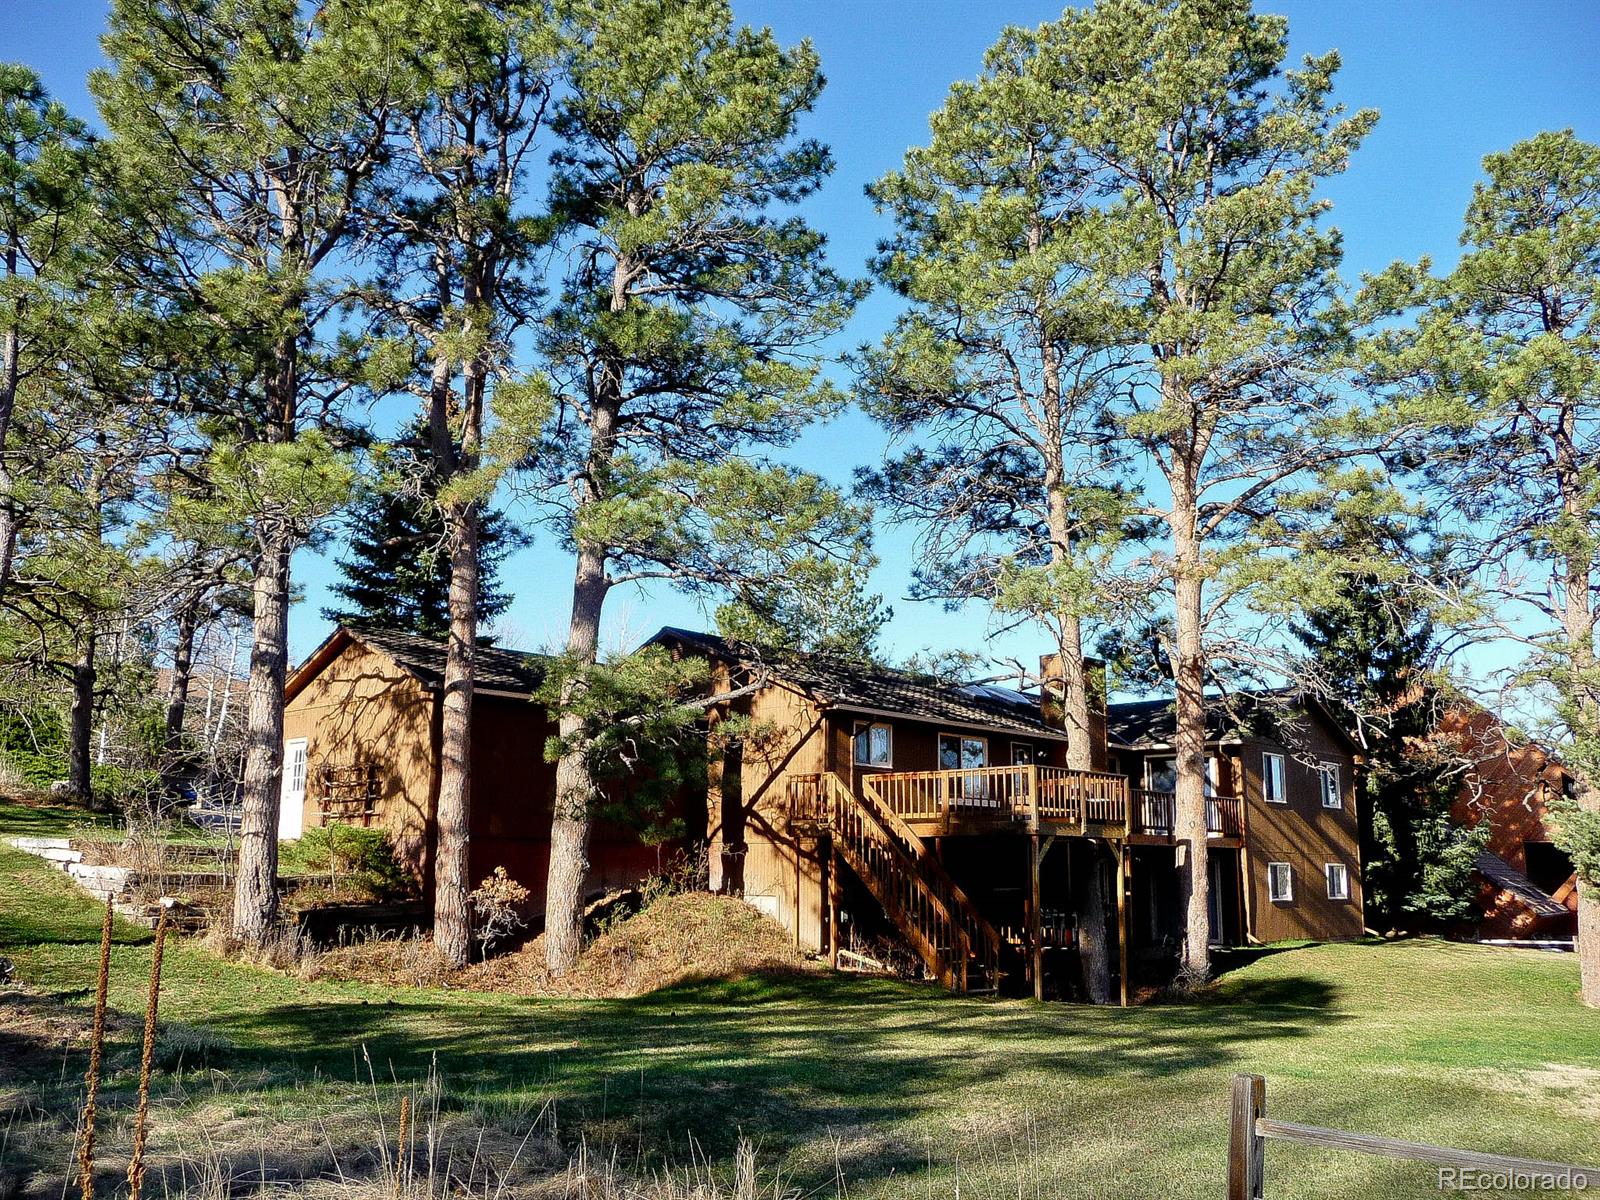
1563, 1087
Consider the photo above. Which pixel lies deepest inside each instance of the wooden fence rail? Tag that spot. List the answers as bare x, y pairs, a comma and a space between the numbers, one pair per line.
1250, 1130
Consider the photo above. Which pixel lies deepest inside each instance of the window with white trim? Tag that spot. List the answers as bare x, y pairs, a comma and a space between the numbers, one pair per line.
1338, 881
1332, 797
1280, 882
1273, 789
874, 745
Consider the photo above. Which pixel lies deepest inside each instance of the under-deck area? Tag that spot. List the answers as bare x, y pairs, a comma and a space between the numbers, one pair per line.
1014, 873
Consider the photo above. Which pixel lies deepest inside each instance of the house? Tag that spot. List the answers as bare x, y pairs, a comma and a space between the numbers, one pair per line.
1527, 887
862, 800
362, 721
1285, 858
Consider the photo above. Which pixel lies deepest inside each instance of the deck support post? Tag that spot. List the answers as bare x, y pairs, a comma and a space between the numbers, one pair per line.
1035, 924
833, 905
1123, 965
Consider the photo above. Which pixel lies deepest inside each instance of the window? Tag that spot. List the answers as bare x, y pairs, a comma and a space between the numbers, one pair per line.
1338, 881
1280, 882
1022, 754
874, 747
1161, 775
959, 753
1272, 786
1332, 797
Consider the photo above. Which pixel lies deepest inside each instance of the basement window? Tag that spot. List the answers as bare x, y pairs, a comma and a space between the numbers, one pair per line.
874, 746
1338, 881
1280, 882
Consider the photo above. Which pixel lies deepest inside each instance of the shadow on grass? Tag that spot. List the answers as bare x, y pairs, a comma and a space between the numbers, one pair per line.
1233, 958
784, 1060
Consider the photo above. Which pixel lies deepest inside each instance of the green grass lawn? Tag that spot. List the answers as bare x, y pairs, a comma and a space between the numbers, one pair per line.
896, 1089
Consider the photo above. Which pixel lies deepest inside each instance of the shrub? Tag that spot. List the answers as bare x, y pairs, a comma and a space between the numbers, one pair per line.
499, 905
365, 857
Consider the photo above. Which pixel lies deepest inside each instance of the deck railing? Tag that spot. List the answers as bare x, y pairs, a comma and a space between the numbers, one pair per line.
1024, 794
1155, 813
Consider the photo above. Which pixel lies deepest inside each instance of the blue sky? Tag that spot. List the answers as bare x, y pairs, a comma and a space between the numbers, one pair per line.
1453, 81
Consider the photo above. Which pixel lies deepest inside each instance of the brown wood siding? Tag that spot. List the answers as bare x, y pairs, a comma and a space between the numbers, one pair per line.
362, 708
1509, 787
1303, 833
751, 851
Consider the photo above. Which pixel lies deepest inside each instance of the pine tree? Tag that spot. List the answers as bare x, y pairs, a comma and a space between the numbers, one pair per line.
1373, 653
251, 131
1497, 371
682, 346
397, 566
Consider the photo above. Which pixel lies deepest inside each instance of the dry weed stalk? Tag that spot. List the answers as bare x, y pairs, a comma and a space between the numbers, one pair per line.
141, 1118
400, 1162
96, 1044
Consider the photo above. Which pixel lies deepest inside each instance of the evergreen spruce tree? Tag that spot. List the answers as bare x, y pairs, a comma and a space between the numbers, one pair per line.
397, 566
1373, 653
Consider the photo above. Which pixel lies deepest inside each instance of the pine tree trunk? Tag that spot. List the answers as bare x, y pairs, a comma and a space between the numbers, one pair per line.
255, 896
178, 691
10, 374
80, 779
452, 922
452, 918
569, 831
1094, 951
1189, 739
1589, 919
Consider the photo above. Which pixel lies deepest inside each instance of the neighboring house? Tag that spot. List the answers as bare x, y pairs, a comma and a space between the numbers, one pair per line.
1527, 887
865, 799
362, 721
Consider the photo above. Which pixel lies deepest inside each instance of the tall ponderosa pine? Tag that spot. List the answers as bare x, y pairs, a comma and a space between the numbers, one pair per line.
1001, 370
1374, 655
1000, 373
252, 129
454, 290
684, 341
1206, 259
44, 197
1501, 371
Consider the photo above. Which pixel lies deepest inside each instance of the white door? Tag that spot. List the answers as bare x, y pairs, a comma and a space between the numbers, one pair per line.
292, 802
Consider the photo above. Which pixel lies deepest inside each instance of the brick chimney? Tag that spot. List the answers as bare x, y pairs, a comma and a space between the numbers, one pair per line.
1050, 711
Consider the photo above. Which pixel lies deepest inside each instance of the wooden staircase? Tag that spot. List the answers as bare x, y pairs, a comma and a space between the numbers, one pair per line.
959, 947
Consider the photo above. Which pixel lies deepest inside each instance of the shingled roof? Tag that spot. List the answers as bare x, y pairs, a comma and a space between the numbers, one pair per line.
838, 683
1506, 877
499, 669
1144, 724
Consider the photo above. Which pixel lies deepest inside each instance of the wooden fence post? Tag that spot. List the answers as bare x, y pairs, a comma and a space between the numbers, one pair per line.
1246, 1149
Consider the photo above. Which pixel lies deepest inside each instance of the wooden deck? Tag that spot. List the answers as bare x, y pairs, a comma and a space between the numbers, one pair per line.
1038, 799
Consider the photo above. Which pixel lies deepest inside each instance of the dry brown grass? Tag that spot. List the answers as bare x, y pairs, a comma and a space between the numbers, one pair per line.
673, 939
678, 938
